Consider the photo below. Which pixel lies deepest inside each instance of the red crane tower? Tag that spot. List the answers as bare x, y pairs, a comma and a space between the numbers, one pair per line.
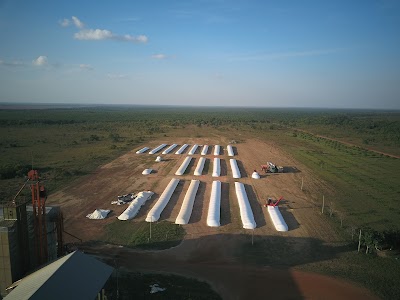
39, 216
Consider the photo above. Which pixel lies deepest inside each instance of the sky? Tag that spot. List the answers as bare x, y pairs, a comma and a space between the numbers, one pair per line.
288, 53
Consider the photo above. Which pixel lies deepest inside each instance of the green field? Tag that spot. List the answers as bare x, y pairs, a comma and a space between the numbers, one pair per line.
143, 235
65, 144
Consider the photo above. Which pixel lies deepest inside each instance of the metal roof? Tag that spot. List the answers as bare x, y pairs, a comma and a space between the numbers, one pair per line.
73, 276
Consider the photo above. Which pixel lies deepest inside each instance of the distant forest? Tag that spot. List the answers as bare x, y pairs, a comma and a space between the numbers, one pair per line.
364, 127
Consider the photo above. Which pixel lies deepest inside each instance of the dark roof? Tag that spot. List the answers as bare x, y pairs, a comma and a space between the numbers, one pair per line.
73, 276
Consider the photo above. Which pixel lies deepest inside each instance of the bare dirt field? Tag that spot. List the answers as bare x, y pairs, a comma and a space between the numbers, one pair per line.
214, 254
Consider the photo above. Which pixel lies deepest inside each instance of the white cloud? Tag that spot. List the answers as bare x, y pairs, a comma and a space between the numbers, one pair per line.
117, 76
74, 20
93, 34
14, 63
78, 23
159, 56
86, 67
104, 34
99, 34
64, 22
142, 39
40, 61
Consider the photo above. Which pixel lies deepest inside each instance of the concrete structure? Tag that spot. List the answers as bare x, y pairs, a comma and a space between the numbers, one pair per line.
18, 248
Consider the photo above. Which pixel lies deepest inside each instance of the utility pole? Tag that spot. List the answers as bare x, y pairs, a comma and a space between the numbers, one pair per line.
116, 269
323, 203
150, 225
359, 241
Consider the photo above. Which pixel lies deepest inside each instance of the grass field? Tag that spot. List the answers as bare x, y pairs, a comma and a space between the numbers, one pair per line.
366, 183
164, 234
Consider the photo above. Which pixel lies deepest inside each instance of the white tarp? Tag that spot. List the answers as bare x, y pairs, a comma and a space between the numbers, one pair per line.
98, 214
142, 150
204, 150
230, 150
200, 166
193, 150
255, 175
158, 148
217, 149
235, 168
169, 149
158, 159
246, 213
134, 207
183, 166
187, 204
147, 171
277, 219
216, 167
181, 149
155, 212
214, 208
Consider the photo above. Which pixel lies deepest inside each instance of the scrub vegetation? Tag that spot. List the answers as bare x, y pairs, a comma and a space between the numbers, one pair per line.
346, 149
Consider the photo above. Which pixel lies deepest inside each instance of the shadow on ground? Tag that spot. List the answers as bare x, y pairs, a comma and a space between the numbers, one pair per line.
236, 267
289, 169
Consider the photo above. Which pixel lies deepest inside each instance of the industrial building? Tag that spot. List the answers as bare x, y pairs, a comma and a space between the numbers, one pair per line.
73, 276
30, 235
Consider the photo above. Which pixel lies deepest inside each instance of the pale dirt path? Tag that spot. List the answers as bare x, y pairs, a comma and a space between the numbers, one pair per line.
210, 253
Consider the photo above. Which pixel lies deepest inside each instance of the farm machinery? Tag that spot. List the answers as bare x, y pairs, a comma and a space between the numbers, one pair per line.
271, 202
271, 168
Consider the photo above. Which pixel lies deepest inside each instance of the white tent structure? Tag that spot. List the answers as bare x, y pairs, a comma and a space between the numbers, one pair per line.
187, 204
169, 149
183, 166
158, 159
204, 150
255, 175
158, 148
217, 149
155, 212
200, 166
132, 210
181, 149
147, 171
142, 150
214, 208
193, 150
235, 168
230, 150
246, 212
277, 219
98, 214
216, 167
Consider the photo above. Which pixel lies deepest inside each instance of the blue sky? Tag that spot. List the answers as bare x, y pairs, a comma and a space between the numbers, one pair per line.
340, 54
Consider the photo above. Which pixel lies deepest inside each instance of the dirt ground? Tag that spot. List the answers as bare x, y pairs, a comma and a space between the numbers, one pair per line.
209, 253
